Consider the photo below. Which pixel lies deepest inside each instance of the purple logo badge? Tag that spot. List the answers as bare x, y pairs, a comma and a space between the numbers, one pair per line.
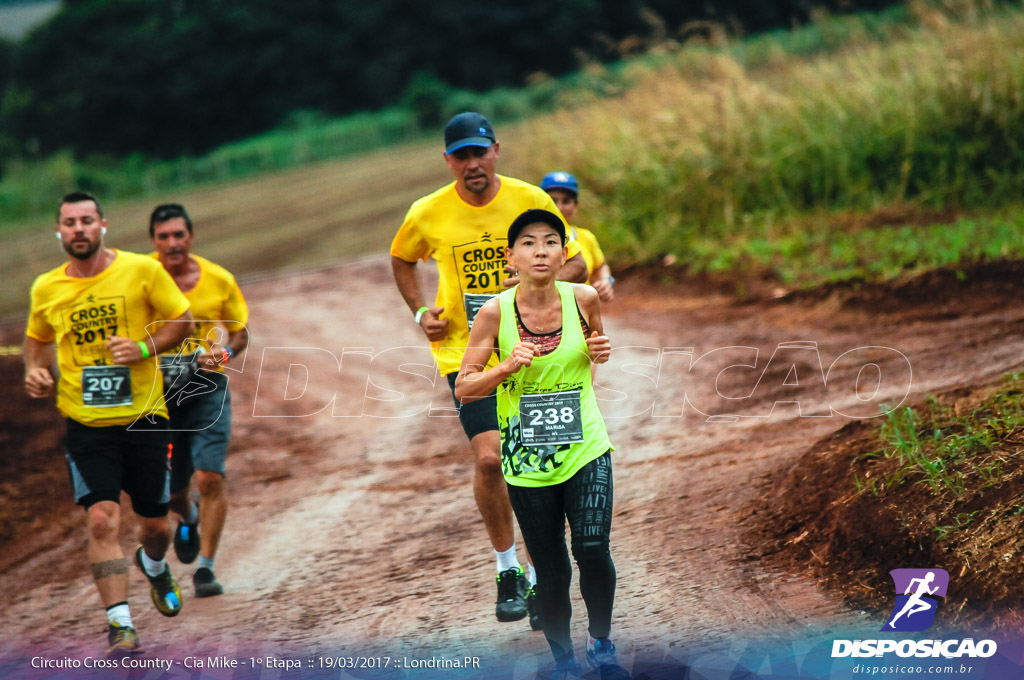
916, 590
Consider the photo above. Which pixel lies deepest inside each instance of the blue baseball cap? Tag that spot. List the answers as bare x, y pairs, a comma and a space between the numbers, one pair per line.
560, 180
467, 129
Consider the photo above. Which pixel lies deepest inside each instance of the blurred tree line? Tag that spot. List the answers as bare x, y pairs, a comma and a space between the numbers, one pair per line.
173, 77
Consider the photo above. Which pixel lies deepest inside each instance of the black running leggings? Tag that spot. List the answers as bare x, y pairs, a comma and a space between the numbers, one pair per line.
586, 501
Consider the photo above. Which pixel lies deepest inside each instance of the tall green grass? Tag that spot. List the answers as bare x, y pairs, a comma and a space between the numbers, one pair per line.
707, 148
949, 451
814, 251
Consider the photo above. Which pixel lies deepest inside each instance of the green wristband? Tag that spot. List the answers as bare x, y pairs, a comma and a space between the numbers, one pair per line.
419, 313
145, 349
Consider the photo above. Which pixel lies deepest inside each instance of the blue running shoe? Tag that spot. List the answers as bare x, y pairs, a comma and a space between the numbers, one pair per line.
564, 669
186, 541
601, 655
512, 586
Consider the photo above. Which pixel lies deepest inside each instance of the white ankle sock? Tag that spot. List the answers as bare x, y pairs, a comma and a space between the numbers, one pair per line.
120, 615
152, 567
507, 559
531, 574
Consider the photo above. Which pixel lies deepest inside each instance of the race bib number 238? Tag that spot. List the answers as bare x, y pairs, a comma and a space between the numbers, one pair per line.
550, 418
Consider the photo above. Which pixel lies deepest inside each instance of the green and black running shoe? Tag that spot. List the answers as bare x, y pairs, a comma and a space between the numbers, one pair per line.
163, 588
511, 601
123, 641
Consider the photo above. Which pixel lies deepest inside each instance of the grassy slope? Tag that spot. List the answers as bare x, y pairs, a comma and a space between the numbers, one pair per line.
938, 484
28, 186
285, 220
667, 165
657, 164
774, 166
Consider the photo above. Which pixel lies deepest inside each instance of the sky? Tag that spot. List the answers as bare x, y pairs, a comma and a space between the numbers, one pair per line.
17, 19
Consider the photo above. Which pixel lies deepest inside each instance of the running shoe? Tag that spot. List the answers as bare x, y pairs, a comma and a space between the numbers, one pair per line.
205, 583
601, 655
186, 541
531, 607
163, 588
511, 603
564, 669
123, 641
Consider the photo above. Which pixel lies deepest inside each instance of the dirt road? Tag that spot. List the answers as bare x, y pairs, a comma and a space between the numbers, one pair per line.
352, 527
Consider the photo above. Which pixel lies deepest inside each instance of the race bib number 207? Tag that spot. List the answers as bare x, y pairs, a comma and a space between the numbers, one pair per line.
106, 386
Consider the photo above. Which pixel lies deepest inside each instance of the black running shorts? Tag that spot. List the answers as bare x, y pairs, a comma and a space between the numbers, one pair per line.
476, 416
104, 460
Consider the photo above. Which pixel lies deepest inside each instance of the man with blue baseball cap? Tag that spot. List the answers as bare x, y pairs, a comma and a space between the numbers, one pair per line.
560, 180
463, 226
564, 189
468, 129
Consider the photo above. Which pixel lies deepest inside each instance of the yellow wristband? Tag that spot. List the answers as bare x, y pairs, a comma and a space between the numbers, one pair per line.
145, 349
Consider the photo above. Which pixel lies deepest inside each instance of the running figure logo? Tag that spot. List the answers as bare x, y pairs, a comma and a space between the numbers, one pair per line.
914, 609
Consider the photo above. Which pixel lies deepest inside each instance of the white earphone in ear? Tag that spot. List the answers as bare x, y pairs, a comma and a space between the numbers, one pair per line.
59, 237
103, 230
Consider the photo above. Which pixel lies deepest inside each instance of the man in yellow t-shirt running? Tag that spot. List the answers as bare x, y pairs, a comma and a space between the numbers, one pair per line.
463, 226
97, 312
197, 393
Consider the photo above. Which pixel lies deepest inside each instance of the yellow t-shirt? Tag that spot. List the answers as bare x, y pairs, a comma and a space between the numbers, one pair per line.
591, 250
468, 243
81, 314
216, 304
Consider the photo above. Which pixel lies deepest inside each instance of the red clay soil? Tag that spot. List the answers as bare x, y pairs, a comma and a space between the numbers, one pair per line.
360, 529
816, 521
30, 470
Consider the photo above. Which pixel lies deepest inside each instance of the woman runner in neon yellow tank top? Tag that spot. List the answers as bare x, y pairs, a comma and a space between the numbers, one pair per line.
555, 452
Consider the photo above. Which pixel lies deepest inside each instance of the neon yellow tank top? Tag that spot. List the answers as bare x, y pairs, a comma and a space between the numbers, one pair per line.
547, 414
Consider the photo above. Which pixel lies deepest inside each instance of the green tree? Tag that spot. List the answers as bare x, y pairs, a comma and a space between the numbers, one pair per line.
168, 77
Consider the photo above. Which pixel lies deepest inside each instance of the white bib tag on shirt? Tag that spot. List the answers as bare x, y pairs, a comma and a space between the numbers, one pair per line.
474, 301
550, 418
